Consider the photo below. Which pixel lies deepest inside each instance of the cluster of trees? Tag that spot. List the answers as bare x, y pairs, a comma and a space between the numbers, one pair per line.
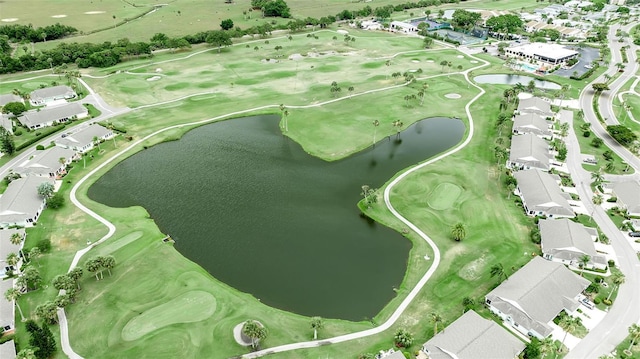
463, 19
622, 134
507, 23
272, 7
22, 33
41, 339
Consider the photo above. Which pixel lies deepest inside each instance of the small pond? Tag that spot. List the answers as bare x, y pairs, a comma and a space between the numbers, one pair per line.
260, 214
509, 79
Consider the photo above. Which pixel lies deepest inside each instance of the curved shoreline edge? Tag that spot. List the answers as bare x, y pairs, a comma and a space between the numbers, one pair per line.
64, 330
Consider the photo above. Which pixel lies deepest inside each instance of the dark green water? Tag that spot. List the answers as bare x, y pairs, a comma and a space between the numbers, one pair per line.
260, 214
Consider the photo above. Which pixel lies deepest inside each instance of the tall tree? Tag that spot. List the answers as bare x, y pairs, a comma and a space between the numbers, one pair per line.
26, 353
45, 189
497, 270
76, 274
218, 38
226, 24
568, 324
108, 262
32, 277
34, 253
47, 311
376, 123
7, 145
436, 319
617, 279
255, 331
634, 332
584, 260
458, 232
403, 338
316, 324
546, 346
12, 295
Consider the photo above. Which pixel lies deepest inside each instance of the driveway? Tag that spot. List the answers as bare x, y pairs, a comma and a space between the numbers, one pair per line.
588, 55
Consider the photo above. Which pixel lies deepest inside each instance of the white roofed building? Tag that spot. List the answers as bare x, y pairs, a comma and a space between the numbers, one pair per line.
553, 54
50, 94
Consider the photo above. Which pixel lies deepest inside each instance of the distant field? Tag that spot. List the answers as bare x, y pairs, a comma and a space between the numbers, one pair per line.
181, 17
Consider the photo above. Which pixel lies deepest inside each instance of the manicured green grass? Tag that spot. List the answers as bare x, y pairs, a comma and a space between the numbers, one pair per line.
587, 148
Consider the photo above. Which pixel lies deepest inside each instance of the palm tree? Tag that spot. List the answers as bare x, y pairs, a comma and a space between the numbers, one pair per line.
435, 319
510, 187
443, 63
584, 260
316, 323
597, 200
16, 239
96, 141
27, 353
76, 274
255, 331
108, 262
458, 231
12, 295
93, 266
350, 89
597, 177
500, 153
497, 270
12, 259
569, 324
634, 332
31, 275
617, 279
376, 123
546, 346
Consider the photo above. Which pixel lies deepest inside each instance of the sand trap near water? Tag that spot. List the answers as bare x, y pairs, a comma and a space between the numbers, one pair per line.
94, 12
58, 16
11, 19
154, 78
452, 95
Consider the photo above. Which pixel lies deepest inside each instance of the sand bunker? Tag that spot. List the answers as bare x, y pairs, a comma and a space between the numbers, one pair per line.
58, 16
473, 61
158, 70
415, 61
430, 61
452, 95
269, 61
342, 32
460, 56
11, 19
93, 12
296, 57
154, 78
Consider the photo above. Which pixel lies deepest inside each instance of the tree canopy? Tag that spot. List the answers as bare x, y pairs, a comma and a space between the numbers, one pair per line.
276, 8
622, 134
600, 86
465, 19
15, 108
226, 24
509, 22
219, 39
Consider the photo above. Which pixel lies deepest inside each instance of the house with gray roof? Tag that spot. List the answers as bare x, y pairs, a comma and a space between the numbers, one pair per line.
5, 99
528, 151
541, 195
50, 163
535, 105
8, 350
532, 123
628, 195
6, 122
83, 140
7, 316
565, 241
531, 297
20, 204
7, 247
43, 96
473, 337
49, 116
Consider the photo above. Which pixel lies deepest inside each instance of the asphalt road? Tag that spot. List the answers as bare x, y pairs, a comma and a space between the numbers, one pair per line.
626, 309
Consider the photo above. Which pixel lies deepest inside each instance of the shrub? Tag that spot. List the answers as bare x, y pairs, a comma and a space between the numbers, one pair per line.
606, 301
586, 133
611, 263
597, 300
39, 147
56, 201
17, 132
44, 245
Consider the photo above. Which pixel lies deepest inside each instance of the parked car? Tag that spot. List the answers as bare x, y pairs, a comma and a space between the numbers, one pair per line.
588, 66
634, 234
587, 303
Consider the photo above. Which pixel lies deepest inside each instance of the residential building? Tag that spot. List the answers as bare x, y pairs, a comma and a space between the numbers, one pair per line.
400, 26
541, 195
8, 350
566, 242
628, 195
565, 32
473, 337
84, 140
7, 247
5, 99
21, 205
50, 94
531, 297
52, 115
532, 123
49, 163
528, 151
535, 105
6, 122
7, 321
547, 53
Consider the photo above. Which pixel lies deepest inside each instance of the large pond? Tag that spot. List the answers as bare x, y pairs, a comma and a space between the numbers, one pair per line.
257, 212
510, 79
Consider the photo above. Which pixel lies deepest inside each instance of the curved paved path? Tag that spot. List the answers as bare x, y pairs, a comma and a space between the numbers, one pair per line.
64, 331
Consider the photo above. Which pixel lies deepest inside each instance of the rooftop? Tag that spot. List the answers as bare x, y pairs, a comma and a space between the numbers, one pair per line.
21, 199
45, 162
531, 149
541, 193
49, 92
546, 50
567, 240
49, 114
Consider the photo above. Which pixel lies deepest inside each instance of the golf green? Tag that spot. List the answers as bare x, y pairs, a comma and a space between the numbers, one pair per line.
189, 307
443, 196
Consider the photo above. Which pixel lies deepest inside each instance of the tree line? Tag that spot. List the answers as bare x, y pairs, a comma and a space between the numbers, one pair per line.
21, 33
